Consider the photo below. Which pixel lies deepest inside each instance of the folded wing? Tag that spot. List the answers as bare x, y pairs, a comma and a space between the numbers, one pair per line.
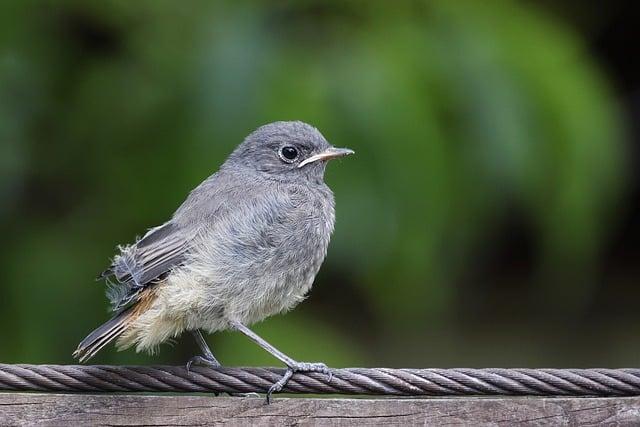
144, 263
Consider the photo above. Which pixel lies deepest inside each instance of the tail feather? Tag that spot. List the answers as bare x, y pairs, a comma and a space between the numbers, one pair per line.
103, 335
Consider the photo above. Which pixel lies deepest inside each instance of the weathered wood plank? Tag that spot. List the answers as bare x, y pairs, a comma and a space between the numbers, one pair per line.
188, 410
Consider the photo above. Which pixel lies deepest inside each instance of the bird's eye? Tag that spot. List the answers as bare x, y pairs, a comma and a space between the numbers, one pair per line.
288, 153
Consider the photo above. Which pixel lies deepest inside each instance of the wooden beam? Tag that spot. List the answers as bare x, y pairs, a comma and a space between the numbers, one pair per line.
189, 410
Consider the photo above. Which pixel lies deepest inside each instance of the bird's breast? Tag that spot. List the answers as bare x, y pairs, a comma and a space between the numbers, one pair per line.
262, 259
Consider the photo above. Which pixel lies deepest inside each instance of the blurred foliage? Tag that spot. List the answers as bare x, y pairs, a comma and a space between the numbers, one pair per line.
465, 116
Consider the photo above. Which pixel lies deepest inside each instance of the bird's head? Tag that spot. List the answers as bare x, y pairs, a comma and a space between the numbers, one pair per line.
287, 151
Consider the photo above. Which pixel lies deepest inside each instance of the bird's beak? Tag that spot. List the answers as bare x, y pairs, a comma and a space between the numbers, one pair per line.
328, 154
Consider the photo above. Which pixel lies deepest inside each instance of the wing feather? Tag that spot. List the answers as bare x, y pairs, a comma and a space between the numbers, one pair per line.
147, 261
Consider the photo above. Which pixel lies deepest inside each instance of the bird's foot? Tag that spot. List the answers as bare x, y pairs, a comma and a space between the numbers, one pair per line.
292, 369
213, 363
202, 361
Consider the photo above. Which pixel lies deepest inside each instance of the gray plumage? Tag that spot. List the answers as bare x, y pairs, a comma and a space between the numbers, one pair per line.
245, 244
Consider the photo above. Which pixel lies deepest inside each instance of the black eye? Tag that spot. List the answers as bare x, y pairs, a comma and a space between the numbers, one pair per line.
289, 153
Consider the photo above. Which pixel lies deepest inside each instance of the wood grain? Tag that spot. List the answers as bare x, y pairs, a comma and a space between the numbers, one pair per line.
189, 410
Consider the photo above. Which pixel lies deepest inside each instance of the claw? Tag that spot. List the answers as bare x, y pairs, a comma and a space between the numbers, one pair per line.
201, 361
279, 385
204, 361
297, 367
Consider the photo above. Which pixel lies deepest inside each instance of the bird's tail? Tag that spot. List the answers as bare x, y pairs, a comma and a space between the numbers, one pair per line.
103, 335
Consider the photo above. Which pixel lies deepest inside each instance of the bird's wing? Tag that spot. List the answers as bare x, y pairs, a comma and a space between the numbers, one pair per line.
145, 262
166, 247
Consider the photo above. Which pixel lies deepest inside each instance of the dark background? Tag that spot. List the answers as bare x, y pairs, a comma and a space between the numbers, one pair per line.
491, 216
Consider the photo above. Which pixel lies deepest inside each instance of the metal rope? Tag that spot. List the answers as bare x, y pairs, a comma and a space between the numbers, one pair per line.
371, 381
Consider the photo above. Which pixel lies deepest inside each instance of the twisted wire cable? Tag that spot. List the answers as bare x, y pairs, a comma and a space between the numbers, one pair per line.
365, 381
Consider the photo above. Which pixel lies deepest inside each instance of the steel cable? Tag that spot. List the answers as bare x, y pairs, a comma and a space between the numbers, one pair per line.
366, 381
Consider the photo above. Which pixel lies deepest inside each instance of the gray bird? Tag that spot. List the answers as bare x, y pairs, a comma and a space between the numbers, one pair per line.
246, 244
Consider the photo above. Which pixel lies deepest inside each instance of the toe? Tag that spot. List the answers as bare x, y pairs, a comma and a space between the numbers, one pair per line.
329, 374
201, 361
324, 369
273, 389
279, 385
311, 367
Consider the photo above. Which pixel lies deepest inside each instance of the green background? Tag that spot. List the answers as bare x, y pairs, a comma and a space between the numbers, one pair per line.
476, 224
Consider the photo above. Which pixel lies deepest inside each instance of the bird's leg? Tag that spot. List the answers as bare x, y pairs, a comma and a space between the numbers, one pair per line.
292, 365
207, 358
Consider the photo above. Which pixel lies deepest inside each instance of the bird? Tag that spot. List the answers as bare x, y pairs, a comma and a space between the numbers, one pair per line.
246, 244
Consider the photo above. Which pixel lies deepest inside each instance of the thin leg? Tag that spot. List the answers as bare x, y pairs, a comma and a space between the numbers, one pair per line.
206, 351
292, 365
207, 358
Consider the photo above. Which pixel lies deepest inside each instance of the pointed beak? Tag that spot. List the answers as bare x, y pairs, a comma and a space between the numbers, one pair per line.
328, 154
